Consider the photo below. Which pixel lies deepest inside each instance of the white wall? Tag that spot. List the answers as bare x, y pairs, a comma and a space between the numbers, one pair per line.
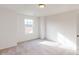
7, 28
12, 28
78, 33
22, 36
42, 27
62, 28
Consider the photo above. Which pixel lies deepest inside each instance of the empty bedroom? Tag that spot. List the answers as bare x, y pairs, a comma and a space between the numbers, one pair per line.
39, 29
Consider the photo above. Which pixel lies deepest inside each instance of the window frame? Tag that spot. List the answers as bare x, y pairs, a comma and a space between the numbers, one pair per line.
28, 23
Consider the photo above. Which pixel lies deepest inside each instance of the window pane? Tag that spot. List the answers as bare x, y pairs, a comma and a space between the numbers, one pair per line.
28, 25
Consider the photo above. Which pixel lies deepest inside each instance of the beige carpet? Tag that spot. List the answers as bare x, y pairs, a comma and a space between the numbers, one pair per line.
37, 47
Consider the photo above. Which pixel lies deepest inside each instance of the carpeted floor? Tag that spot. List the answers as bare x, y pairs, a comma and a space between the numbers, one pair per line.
37, 47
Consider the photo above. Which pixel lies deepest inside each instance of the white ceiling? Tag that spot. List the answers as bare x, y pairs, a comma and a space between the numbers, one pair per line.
34, 10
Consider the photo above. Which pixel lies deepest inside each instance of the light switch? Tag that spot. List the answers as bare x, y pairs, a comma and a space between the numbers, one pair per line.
77, 35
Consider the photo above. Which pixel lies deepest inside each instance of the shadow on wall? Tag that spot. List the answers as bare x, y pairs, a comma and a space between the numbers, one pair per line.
62, 42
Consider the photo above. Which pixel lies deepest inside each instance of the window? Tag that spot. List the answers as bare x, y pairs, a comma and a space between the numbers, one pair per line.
28, 25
